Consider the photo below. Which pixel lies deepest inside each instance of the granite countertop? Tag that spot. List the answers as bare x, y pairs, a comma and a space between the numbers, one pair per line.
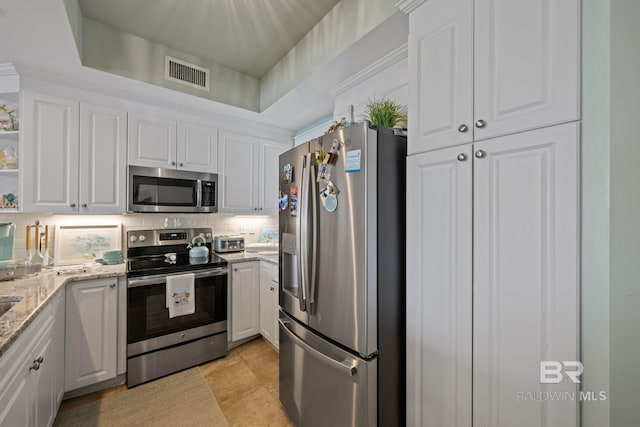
248, 256
38, 290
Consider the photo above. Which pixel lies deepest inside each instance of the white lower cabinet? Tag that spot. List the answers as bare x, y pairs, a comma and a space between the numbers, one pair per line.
269, 302
91, 332
31, 372
492, 286
245, 300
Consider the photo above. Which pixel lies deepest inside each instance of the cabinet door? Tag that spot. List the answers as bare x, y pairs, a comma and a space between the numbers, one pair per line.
245, 300
197, 148
266, 302
152, 141
439, 288
527, 67
15, 394
239, 157
269, 157
441, 73
49, 154
526, 299
91, 338
103, 159
43, 381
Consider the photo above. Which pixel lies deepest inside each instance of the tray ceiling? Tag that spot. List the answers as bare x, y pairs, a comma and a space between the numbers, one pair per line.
248, 36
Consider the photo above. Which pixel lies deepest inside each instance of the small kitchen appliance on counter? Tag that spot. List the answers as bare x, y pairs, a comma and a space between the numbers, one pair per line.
229, 243
158, 344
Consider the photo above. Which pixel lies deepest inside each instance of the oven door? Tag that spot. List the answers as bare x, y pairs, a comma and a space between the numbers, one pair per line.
148, 324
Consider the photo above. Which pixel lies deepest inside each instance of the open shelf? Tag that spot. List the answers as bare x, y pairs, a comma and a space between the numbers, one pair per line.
8, 171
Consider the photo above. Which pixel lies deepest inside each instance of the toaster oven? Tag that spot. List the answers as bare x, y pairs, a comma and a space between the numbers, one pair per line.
228, 243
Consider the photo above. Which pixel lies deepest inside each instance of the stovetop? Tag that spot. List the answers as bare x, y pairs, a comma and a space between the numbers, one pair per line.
160, 264
165, 251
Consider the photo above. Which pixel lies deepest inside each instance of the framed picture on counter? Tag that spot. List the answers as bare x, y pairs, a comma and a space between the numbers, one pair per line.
78, 244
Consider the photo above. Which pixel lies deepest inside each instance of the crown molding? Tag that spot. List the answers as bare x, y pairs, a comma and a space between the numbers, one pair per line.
380, 65
408, 6
7, 69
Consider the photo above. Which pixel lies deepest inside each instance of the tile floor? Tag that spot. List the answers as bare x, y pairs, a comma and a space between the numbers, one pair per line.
245, 384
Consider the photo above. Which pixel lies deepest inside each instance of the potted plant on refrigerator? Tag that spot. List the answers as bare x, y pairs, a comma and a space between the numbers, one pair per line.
387, 113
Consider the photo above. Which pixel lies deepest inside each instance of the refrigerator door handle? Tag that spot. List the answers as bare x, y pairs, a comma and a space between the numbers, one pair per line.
302, 234
346, 366
314, 237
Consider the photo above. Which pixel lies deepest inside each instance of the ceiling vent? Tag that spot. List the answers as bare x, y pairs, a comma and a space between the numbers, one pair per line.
188, 74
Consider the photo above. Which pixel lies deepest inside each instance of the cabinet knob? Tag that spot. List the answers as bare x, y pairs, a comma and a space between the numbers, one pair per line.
84, 205
173, 163
73, 205
272, 288
480, 124
480, 154
462, 157
235, 269
113, 285
36, 364
181, 164
463, 128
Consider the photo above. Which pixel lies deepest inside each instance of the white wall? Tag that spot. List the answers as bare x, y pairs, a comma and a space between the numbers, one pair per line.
625, 213
386, 78
596, 127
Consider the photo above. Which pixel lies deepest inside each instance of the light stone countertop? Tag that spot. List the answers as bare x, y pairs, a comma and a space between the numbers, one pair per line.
38, 290
248, 256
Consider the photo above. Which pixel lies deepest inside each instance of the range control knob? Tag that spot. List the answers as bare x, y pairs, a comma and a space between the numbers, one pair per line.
142, 238
133, 239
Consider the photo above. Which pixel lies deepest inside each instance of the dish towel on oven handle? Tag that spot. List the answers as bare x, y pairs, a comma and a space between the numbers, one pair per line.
181, 296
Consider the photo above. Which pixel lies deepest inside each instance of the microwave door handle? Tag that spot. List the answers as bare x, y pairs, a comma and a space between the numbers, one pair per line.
199, 194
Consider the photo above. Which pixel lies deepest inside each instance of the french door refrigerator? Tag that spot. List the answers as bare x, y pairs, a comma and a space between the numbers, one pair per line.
342, 279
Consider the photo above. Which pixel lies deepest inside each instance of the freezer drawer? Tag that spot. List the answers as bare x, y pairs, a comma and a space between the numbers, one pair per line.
321, 384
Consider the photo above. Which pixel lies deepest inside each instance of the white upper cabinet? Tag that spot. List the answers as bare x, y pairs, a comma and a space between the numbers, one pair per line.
249, 173
103, 159
161, 142
50, 146
441, 75
239, 161
527, 64
197, 148
269, 159
74, 156
484, 68
152, 141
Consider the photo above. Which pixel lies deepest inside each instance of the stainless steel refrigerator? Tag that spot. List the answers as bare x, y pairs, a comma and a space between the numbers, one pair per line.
342, 279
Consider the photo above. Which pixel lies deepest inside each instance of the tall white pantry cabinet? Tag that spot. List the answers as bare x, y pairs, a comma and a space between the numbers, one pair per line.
492, 211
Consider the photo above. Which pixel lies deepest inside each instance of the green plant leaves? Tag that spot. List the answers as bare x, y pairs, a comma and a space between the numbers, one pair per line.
387, 113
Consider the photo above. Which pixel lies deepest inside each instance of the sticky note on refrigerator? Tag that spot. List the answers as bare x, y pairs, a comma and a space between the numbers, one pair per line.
352, 161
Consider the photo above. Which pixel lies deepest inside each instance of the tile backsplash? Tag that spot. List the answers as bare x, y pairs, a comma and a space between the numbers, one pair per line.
249, 226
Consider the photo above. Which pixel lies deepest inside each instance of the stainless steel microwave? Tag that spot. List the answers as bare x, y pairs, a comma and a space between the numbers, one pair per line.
170, 190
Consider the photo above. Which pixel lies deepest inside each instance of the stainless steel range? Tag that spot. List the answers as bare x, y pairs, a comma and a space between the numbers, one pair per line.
158, 344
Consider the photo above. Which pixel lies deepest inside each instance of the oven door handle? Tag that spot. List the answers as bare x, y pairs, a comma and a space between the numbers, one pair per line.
158, 280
